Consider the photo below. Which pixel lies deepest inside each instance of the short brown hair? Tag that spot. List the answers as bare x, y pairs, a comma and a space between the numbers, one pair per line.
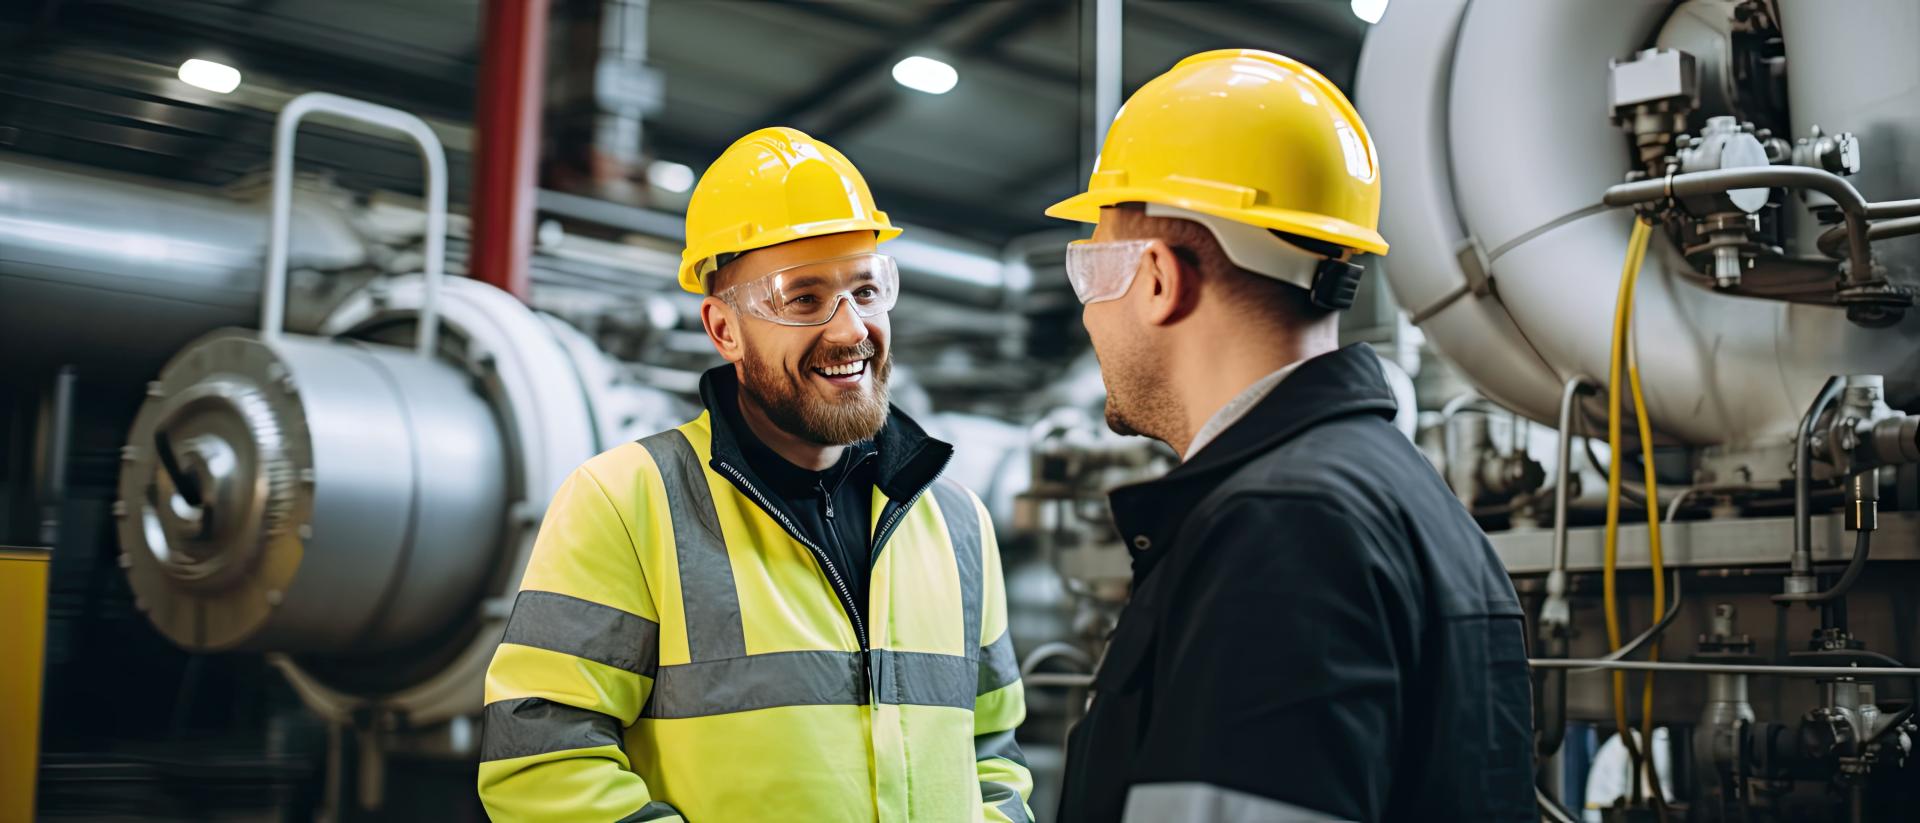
1195, 246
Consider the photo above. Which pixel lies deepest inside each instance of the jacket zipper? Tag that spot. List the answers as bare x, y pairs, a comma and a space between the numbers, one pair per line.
833, 573
886, 529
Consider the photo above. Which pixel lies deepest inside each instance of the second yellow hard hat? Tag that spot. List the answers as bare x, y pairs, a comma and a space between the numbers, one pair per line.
1245, 135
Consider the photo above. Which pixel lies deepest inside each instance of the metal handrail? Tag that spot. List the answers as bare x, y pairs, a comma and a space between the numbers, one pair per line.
274, 294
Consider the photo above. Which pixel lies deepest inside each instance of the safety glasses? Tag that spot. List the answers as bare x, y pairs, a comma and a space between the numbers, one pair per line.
1103, 271
810, 294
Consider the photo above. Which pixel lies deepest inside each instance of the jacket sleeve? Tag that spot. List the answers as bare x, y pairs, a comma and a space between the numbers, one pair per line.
572, 672
1278, 689
1000, 703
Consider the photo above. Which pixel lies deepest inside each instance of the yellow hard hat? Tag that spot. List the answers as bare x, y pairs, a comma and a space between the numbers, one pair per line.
1248, 136
769, 187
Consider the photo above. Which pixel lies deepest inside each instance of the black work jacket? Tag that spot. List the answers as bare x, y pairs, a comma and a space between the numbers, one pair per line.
1316, 624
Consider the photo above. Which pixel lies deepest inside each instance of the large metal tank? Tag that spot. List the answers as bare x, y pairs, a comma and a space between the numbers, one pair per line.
1492, 119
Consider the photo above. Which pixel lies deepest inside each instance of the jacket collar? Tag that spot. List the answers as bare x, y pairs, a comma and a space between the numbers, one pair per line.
908, 458
1337, 384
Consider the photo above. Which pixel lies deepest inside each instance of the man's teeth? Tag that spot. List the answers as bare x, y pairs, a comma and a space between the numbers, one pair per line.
844, 369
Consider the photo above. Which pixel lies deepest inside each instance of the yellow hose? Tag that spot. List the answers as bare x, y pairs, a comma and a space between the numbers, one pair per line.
1622, 355
1653, 545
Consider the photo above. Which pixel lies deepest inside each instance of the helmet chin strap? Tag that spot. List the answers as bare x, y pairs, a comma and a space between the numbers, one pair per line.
1330, 282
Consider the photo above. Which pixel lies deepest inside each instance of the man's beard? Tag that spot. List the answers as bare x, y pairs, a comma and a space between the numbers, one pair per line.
792, 403
1136, 403
1117, 419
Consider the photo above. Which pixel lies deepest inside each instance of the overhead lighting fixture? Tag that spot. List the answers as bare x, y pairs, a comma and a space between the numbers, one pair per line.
1369, 10
214, 77
670, 176
925, 74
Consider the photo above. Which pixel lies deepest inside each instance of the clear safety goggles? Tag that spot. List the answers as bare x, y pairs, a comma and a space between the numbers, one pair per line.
810, 294
1103, 271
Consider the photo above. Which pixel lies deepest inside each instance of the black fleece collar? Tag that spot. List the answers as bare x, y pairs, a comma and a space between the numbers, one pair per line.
908, 458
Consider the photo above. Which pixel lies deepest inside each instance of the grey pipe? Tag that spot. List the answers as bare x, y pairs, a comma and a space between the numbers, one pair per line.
1562, 484
1893, 208
1830, 240
1724, 668
1848, 198
1551, 809
114, 273
1556, 614
1048, 651
1800, 578
1062, 680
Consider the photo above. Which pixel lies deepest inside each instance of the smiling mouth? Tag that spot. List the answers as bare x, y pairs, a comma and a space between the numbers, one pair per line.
843, 374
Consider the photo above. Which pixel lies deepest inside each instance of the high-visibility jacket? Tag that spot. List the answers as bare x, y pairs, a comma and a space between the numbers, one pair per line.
678, 652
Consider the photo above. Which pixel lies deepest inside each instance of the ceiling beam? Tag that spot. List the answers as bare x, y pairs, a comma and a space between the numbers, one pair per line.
852, 72
874, 93
1306, 20
409, 81
1334, 53
838, 13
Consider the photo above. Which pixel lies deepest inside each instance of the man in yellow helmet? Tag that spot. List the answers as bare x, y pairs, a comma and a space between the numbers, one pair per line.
780, 610
1317, 630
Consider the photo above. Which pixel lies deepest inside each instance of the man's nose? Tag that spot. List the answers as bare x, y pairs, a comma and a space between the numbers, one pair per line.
846, 327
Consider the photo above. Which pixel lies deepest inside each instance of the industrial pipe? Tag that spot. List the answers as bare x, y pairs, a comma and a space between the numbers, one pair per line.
1800, 578
1062, 680
506, 153
1862, 547
1551, 809
1557, 578
1893, 208
1852, 205
1830, 240
1724, 668
1556, 615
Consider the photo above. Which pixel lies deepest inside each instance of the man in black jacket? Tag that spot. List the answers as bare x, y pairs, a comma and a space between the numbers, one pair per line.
1318, 631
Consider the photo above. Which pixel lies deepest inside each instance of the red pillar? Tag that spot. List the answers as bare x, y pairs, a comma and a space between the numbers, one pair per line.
506, 157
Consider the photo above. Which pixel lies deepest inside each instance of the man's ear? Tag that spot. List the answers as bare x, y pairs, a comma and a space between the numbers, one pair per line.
723, 328
1168, 288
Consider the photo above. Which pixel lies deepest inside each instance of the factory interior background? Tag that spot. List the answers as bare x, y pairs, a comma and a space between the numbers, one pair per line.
160, 666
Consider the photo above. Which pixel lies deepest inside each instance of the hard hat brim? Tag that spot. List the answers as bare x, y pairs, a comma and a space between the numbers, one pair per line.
690, 267
1085, 208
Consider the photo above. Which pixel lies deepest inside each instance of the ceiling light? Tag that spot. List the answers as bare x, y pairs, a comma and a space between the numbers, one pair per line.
206, 74
1369, 10
670, 176
925, 74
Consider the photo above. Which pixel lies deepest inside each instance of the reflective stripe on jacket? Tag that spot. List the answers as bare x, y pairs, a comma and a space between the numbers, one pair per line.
675, 652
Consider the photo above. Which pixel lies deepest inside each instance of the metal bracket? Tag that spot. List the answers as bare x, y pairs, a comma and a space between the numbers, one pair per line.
1475, 265
273, 296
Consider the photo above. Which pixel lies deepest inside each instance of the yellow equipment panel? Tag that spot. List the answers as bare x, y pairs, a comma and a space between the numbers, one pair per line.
23, 641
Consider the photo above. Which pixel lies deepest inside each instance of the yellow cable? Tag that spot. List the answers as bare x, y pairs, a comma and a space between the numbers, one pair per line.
1622, 312
1653, 511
